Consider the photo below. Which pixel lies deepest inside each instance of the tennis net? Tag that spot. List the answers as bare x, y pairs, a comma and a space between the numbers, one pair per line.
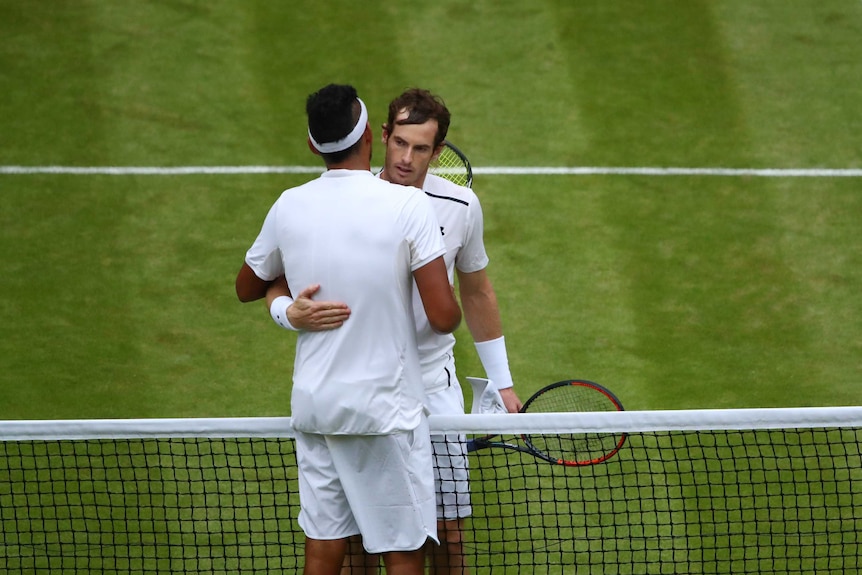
704, 491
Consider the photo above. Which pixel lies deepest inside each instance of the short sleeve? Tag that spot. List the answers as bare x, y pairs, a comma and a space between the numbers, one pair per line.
422, 230
264, 256
472, 256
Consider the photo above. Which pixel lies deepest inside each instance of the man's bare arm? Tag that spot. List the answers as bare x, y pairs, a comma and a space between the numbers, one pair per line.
482, 314
479, 300
249, 287
438, 297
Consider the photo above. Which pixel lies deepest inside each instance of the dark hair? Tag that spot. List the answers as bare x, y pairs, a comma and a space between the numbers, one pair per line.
421, 106
332, 114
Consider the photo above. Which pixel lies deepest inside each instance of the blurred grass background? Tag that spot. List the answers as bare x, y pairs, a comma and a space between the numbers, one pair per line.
675, 292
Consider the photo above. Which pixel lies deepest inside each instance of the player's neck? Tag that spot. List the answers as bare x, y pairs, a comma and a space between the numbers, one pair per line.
418, 184
350, 164
360, 160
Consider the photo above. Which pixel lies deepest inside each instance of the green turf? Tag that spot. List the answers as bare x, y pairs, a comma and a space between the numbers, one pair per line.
674, 292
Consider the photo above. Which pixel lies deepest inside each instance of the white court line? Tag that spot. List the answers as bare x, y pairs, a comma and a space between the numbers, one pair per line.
492, 171
159, 171
644, 171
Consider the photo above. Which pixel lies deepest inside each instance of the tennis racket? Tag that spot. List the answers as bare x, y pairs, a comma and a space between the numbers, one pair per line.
453, 165
570, 449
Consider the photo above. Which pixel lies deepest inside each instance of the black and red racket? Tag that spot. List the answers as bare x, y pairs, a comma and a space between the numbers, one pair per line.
572, 449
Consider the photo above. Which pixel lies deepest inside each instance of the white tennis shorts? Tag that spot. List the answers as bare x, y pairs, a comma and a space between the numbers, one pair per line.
451, 473
380, 486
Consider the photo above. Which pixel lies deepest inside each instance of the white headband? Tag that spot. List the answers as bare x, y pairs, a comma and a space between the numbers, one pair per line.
346, 141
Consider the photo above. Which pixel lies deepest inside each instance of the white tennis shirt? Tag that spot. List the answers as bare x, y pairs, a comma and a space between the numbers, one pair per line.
460, 215
360, 238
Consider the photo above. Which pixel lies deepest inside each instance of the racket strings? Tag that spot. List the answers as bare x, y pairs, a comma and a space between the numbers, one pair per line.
452, 167
572, 398
576, 447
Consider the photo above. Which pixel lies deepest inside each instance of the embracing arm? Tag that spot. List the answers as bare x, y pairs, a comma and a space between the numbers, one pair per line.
249, 287
438, 297
303, 312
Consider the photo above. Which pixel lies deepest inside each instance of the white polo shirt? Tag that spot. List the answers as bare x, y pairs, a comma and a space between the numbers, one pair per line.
360, 238
460, 216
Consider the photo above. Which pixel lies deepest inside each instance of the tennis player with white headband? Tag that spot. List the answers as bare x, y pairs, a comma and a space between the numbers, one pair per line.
349, 139
363, 445
417, 125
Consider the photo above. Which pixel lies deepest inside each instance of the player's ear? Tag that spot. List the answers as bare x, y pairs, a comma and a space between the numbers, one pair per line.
384, 132
311, 147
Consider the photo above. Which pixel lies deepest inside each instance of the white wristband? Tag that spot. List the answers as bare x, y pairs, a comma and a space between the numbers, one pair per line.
278, 311
494, 359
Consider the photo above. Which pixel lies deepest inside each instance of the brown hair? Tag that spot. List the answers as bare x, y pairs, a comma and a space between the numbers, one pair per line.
421, 106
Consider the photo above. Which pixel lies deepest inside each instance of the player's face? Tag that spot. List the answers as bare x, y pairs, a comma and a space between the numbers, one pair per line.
409, 151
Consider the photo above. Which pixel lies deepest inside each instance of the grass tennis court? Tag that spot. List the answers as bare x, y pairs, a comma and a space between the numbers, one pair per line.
675, 291
693, 291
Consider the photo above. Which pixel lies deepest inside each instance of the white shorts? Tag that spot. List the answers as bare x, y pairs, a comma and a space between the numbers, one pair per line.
451, 473
378, 485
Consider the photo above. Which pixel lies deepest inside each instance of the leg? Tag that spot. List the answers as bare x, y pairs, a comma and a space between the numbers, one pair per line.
405, 562
358, 561
452, 486
324, 557
448, 557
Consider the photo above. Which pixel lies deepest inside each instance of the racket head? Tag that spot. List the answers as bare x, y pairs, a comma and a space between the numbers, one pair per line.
574, 449
453, 165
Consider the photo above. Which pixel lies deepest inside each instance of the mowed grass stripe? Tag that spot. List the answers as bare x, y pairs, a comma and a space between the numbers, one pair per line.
568, 268
505, 74
64, 337
175, 84
51, 112
661, 90
713, 294
798, 74
655, 84
821, 237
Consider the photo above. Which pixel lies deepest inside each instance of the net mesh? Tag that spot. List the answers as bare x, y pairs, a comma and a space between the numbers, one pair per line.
782, 497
